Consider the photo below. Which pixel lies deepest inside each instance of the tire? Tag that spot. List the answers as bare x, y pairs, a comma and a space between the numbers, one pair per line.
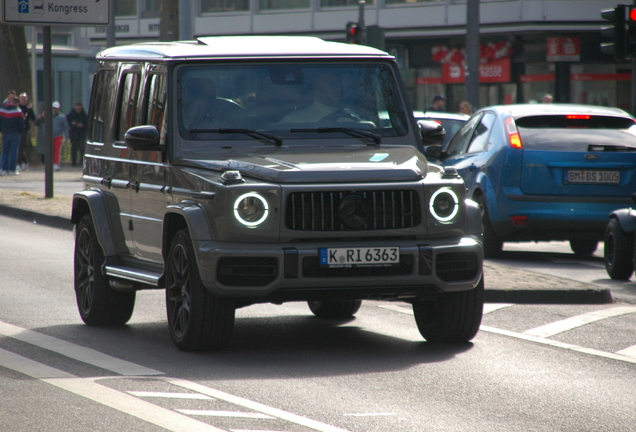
493, 244
334, 308
453, 317
198, 320
583, 247
619, 251
97, 302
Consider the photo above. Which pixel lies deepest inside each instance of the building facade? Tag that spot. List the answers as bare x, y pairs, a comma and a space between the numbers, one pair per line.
528, 47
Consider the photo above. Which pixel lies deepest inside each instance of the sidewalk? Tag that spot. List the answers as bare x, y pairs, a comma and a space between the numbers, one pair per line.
22, 196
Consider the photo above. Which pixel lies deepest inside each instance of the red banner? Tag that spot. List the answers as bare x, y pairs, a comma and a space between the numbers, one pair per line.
563, 49
495, 71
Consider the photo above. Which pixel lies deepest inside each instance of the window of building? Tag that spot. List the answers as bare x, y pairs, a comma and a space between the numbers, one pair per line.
284, 4
152, 9
224, 5
57, 39
390, 2
125, 8
337, 3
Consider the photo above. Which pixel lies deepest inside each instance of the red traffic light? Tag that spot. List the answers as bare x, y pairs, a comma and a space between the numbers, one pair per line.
632, 15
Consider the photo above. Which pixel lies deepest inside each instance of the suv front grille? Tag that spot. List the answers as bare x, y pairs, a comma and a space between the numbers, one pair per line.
326, 211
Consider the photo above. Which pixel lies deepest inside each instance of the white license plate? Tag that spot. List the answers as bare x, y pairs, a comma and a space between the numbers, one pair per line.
356, 257
591, 177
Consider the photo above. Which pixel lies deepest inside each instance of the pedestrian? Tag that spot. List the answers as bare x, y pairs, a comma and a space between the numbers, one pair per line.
439, 104
465, 107
10, 96
77, 119
60, 133
26, 147
11, 126
547, 98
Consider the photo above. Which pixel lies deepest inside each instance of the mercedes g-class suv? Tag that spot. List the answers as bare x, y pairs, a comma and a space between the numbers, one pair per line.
231, 171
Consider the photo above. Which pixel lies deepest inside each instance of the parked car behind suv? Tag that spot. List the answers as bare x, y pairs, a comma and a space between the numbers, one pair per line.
545, 171
230, 171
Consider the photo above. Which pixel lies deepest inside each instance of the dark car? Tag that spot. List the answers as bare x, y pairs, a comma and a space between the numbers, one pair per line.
545, 171
619, 243
451, 122
231, 171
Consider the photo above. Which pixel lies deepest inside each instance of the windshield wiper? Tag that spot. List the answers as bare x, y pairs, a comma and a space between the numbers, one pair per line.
250, 132
351, 131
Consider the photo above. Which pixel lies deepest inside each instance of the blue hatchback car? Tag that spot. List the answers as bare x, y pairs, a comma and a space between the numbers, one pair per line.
544, 172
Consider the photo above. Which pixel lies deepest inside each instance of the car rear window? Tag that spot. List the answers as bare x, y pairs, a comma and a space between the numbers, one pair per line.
578, 121
577, 133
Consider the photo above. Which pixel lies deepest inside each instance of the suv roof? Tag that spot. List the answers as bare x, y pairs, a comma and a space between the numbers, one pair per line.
241, 46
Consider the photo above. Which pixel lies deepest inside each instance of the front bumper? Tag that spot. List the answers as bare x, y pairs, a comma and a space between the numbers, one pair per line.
291, 271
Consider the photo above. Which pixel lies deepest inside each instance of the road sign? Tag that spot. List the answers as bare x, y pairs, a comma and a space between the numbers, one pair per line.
56, 12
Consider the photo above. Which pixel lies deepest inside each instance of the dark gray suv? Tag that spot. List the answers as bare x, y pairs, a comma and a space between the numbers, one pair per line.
231, 171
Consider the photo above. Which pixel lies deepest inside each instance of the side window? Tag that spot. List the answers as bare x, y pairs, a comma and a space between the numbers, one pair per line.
157, 102
129, 101
101, 98
479, 141
460, 141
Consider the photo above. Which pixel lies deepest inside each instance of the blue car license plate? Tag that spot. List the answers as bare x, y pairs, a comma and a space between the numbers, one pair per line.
591, 177
360, 257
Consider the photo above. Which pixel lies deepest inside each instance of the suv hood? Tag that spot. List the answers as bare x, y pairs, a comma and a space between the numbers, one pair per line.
323, 165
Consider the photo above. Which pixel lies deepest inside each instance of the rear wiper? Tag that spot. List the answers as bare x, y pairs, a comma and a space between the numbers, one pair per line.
351, 131
609, 148
250, 132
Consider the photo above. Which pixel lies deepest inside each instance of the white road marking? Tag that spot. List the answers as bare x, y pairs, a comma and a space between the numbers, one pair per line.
124, 402
75, 352
578, 321
631, 351
491, 307
251, 405
169, 395
236, 414
89, 389
543, 341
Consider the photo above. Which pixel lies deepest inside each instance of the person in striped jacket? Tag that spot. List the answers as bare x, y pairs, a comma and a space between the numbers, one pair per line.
11, 126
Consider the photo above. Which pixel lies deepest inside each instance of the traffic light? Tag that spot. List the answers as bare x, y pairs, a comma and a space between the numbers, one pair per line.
631, 31
617, 32
353, 33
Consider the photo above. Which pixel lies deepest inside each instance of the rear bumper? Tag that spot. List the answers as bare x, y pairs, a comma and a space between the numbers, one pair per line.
292, 272
554, 218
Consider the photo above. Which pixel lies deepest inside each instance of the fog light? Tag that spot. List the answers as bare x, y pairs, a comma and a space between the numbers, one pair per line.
251, 209
444, 204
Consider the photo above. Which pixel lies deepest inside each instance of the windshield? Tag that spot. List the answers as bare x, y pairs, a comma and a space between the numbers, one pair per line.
274, 103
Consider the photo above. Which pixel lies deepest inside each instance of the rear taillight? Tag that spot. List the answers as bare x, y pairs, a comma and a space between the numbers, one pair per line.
514, 140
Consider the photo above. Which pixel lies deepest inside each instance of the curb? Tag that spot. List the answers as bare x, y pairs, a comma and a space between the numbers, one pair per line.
37, 218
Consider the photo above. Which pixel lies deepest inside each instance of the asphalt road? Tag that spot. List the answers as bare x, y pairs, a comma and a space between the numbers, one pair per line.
531, 367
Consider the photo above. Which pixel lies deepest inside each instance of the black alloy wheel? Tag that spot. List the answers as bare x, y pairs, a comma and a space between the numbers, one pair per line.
197, 319
97, 302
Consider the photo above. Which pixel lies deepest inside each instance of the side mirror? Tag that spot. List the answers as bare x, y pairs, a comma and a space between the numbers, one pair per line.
432, 133
143, 138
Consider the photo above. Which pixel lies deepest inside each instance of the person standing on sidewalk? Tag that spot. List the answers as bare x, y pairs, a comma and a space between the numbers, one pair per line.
26, 147
11, 126
60, 133
77, 121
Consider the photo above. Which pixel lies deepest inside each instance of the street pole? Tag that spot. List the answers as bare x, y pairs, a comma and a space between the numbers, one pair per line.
361, 25
48, 112
185, 20
472, 52
111, 29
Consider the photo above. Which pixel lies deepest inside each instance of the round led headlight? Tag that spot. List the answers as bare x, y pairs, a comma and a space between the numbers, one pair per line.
251, 209
444, 204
